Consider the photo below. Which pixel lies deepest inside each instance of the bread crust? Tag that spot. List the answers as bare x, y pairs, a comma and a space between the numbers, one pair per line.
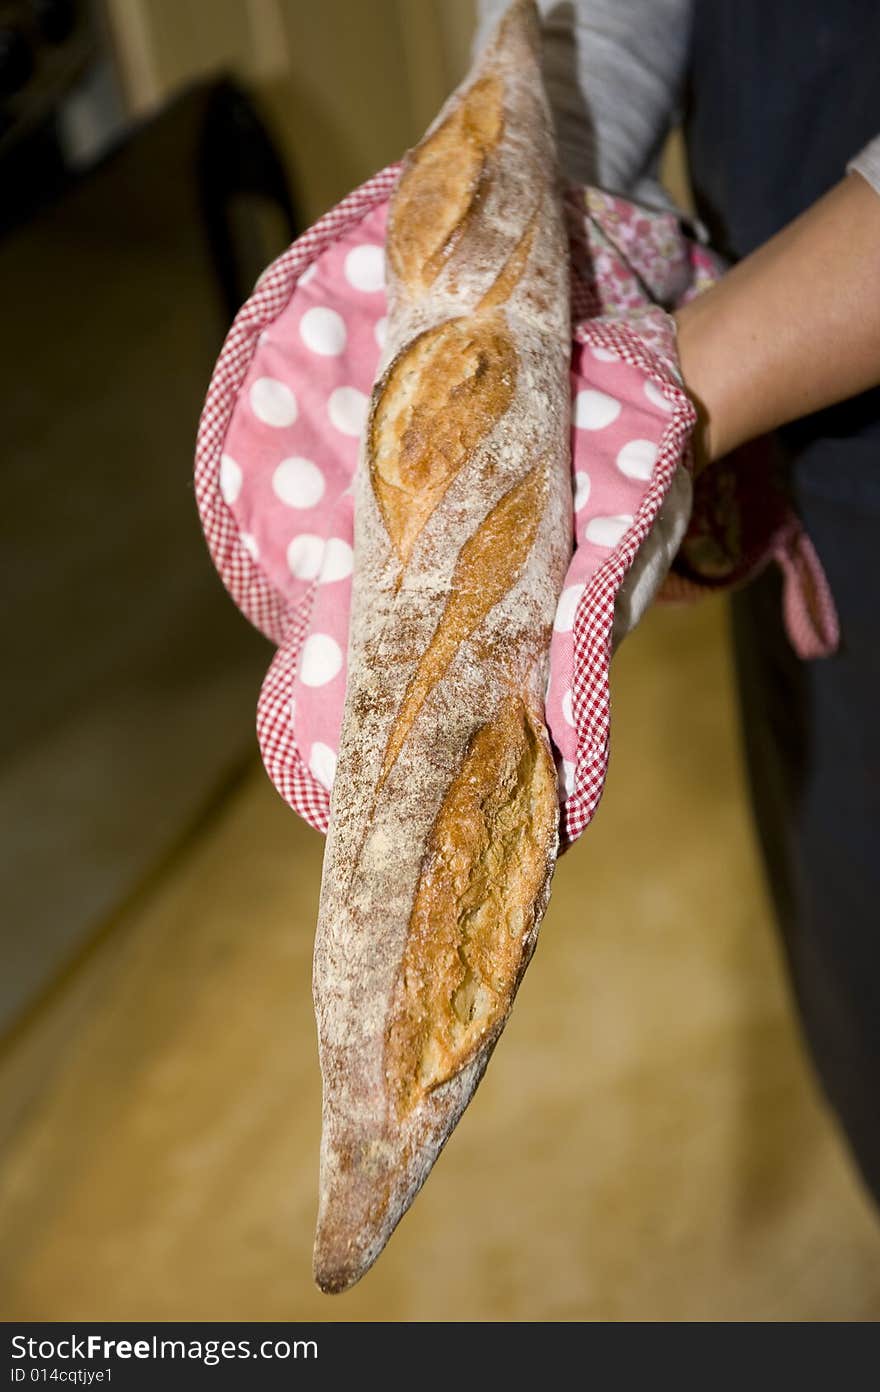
444, 815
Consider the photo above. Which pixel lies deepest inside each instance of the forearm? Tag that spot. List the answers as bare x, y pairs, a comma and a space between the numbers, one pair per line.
793, 328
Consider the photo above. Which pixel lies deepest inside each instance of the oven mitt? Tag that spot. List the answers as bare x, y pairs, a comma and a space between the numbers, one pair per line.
742, 518
279, 441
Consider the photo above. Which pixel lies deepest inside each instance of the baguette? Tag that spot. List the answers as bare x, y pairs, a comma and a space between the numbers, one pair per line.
444, 812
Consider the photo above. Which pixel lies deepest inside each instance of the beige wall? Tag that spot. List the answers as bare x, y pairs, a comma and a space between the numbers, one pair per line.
347, 85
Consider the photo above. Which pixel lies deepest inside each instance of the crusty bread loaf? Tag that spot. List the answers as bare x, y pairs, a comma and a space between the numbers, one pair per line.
444, 813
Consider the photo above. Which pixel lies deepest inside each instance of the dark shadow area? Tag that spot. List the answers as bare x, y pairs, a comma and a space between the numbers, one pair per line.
130, 679
575, 130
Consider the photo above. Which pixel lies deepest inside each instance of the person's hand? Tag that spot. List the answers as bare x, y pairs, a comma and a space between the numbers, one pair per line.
789, 330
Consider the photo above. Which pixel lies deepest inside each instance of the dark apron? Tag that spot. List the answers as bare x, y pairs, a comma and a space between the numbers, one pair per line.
782, 94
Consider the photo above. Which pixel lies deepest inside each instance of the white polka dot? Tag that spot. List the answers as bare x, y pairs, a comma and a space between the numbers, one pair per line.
249, 543
566, 778
298, 482
567, 607
637, 459
607, 531
381, 330
272, 402
365, 267
603, 354
320, 660
656, 397
323, 330
567, 710
581, 489
304, 556
230, 479
338, 561
322, 763
308, 274
593, 410
347, 409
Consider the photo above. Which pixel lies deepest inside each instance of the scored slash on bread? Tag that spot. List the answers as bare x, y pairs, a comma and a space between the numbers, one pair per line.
444, 813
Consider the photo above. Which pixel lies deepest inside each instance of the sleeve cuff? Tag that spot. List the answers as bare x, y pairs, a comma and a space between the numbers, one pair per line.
867, 163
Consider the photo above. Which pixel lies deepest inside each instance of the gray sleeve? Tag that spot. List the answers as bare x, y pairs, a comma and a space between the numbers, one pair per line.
867, 163
614, 70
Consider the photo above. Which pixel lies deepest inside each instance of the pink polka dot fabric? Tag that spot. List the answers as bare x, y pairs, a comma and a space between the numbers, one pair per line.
292, 448
279, 445
619, 418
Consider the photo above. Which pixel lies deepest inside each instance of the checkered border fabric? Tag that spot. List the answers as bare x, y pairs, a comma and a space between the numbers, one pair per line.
265, 606
808, 608
594, 617
271, 614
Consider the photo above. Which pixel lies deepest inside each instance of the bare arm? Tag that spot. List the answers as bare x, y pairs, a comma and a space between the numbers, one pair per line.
792, 328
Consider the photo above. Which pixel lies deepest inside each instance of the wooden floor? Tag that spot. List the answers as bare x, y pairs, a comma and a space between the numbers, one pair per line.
647, 1144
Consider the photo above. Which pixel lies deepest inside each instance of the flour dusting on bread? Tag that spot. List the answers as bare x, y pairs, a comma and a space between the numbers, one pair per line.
444, 816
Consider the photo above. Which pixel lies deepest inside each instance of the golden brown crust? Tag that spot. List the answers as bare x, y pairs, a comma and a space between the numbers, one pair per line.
484, 867
501, 289
487, 567
441, 184
444, 821
441, 396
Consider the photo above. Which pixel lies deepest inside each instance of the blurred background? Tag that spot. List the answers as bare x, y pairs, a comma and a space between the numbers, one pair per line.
649, 1143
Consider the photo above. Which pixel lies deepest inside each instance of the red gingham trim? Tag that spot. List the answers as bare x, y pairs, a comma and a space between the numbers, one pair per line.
585, 301
265, 606
595, 613
281, 757
808, 607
